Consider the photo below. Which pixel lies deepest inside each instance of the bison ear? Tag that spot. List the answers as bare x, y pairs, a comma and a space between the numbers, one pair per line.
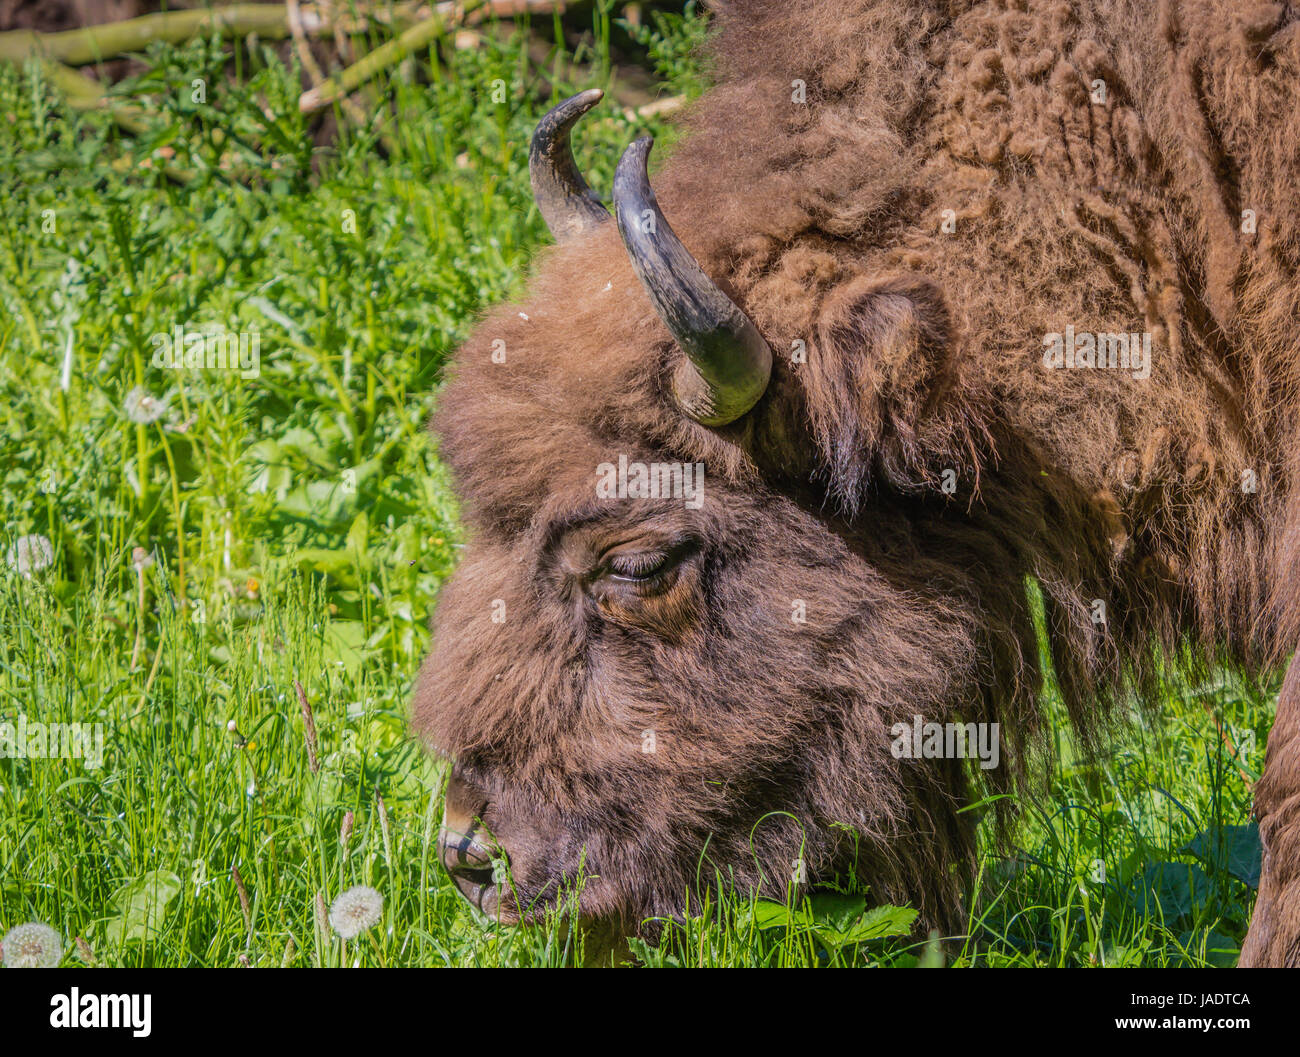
874, 382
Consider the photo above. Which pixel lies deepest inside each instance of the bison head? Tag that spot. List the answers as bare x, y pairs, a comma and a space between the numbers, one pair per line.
704, 581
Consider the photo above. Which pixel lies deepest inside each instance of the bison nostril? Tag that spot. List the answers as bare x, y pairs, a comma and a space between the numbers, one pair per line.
476, 876
463, 852
472, 866
465, 847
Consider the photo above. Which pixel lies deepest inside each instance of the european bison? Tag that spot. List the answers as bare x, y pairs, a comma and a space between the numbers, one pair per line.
968, 297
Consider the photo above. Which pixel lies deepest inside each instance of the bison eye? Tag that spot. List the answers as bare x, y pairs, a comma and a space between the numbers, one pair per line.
644, 570
639, 567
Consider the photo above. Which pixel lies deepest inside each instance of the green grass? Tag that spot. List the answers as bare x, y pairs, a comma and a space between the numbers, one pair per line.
297, 526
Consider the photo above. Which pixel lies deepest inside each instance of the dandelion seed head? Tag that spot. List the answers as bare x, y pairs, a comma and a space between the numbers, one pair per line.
32, 946
355, 911
30, 554
143, 407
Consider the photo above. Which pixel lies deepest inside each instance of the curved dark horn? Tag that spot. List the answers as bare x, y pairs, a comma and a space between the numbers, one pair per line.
728, 363
567, 204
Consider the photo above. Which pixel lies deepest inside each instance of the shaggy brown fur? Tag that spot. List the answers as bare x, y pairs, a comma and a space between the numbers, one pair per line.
824, 219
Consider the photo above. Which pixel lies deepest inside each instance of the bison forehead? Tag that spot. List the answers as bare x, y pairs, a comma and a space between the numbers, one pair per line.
547, 390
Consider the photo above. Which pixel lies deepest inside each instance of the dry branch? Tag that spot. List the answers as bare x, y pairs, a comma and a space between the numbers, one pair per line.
445, 16
76, 47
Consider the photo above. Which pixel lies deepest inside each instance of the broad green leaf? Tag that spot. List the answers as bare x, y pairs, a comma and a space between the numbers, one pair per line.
140, 906
1171, 889
835, 911
1236, 849
879, 922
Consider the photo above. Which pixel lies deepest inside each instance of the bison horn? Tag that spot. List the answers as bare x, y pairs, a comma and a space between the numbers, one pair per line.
728, 363
569, 207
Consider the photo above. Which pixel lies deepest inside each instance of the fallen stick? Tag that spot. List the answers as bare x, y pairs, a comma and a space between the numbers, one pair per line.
376, 62
77, 47
82, 93
666, 105
445, 15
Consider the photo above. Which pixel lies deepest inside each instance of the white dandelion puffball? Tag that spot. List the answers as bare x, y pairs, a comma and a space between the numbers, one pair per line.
30, 554
355, 911
32, 946
143, 407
